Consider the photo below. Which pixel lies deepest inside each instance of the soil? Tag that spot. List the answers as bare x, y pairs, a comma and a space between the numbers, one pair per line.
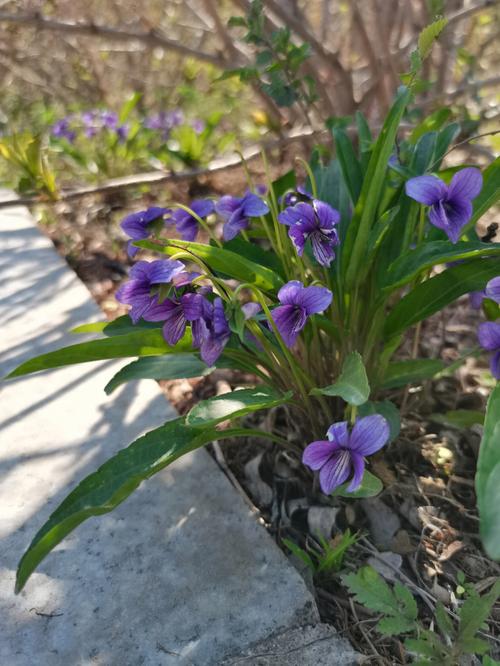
423, 528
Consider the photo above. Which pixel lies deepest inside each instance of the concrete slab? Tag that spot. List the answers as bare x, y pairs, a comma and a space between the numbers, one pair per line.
178, 574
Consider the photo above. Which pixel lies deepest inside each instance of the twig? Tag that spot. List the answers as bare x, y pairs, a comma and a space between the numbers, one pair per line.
151, 38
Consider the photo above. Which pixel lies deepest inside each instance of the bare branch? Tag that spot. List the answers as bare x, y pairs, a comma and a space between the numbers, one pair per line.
151, 38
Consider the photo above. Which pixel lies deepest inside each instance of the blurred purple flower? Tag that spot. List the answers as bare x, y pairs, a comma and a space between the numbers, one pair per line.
145, 275
164, 121
315, 222
122, 133
137, 225
198, 125
488, 334
297, 304
186, 224
62, 130
476, 299
343, 453
493, 289
450, 205
296, 196
237, 211
109, 119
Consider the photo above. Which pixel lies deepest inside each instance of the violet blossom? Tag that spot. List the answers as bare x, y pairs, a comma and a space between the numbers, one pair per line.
293, 197
488, 334
314, 222
62, 129
186, 224
139, 226
344, 452
493, 290
450, 205
144, 276
298, 303
237, 211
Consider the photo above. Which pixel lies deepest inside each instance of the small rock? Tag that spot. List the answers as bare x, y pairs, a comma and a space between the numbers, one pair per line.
321, 520
261, 493
387, 571
384, 523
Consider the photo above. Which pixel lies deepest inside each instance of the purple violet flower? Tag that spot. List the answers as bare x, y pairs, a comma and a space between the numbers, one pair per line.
295, 196
476, 299
137, 225
109, 119
493, 289
488, 334
62, 130
315, 222
122, 133
145, 275
177, 312
186, 224
211, 333
450, 205
237, 211
198, 125
344, 451
297, 304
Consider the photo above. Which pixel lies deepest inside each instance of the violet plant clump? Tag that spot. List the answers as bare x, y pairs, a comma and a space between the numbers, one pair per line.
311, 288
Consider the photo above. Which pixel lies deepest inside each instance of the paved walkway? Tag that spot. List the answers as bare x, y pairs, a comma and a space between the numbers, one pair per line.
180, 573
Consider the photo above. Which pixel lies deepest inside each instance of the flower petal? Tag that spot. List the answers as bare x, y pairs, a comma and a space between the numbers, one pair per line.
163, 270
289, 320
358, 464
322, 247
289, 293
493, 289
335, 471
226, 206
495, 365
369, 434
175, 325
192, 305
488, 334
254, 206
327, 216
451, 216
427, 190
202, 207
466, 183
314, 299
235, 224
317, 454
339, 433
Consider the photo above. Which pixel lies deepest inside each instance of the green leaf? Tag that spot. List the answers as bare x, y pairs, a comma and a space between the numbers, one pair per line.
446, 136
444, 621
411, 264
488, 477
255, 253
231, 405
221, 260
431, 123
395, 625
112, 483
171, 366
370, 486
349, 164
371, 590
352, 385
118, 326
432, 295
489, 195
401, 373
129, 106
388, 410
300, 553
459, 418
475, 611
365, 212
429, 35
141, 343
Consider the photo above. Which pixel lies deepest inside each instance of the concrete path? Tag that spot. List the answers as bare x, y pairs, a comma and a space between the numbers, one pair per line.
180, 573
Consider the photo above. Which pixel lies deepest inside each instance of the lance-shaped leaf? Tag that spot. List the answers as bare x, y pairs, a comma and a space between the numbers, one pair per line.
142, 343
220, 260
237, 403
401, 373
114, 481
352, 385
488, 477
119, 326
432, 295
170, 366
349, 164
489, 194
365, 212
412, 263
